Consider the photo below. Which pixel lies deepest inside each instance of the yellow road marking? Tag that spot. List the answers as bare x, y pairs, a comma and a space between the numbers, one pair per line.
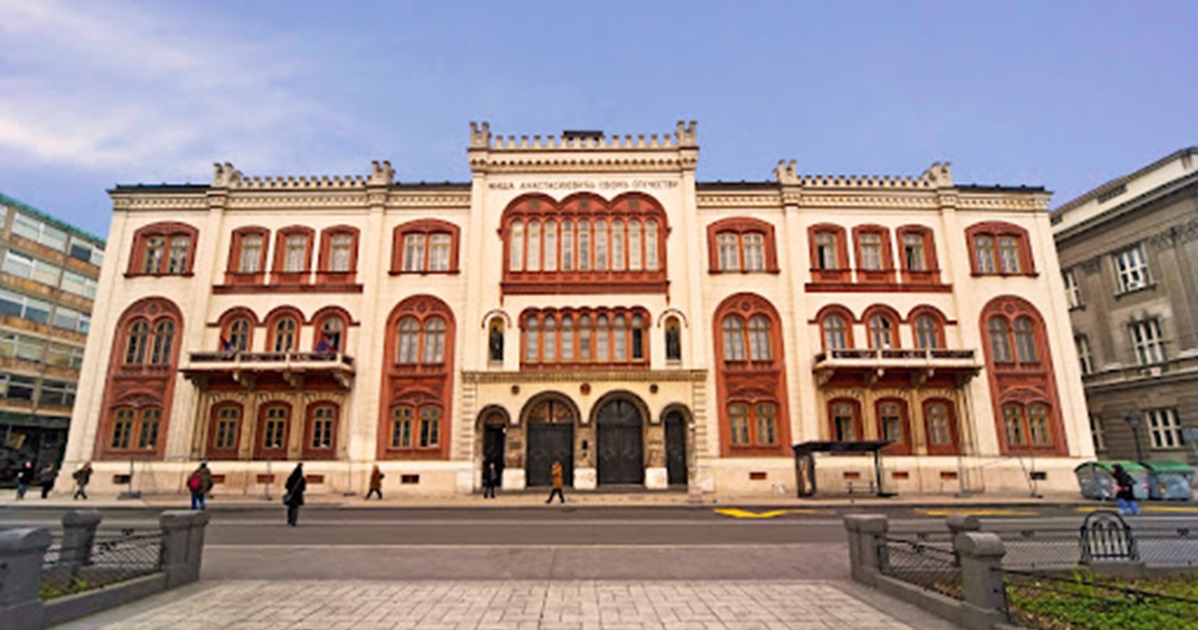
739, 513
1169, 508
1097, 508
978, 512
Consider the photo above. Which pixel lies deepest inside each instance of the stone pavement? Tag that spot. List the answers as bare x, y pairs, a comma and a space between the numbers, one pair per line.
515, 605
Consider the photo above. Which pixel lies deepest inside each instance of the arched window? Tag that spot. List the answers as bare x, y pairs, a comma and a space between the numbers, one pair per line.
835, 332
338, 262
413, 251
495, 341
1000, 345
638, 337
550, 246
224, 433
284, 331
729, 252
846, 420
584, 338
135, 346
163, 249
620, 339
882, 331
741, 244
332, 331
829, 254
426, 246
247, 256
918, 255
293, 253
238, 337
734, 339
164, 342
549, 350
1025, 340
1000, 248
602, 339
567, 245
601, 245
759, 338
567, 338
273, 429
927, 332
434, 340
415, 427
534, 246
532, 339
651, 245
617, 245
409, 341
634, 245
584, 245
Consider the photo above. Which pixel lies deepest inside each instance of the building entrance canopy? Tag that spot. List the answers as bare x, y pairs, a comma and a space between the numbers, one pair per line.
805, 462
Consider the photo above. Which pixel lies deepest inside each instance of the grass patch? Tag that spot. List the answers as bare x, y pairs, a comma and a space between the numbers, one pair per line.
47, 592
1087, 602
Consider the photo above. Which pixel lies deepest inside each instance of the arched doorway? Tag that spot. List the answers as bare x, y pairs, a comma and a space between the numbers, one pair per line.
675, 448
550, 438
494, 439
620, 443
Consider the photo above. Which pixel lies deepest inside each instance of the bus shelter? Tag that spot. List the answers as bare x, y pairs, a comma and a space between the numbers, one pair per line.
805, 462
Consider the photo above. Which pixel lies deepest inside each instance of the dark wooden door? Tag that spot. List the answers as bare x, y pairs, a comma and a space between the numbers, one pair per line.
620, 444
676, 448
546, 443
493, 444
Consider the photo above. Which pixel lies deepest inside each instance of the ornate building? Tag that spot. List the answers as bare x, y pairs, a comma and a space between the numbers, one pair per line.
582, 299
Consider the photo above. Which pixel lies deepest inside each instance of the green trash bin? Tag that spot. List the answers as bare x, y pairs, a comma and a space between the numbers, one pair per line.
1170, 481
1097, 481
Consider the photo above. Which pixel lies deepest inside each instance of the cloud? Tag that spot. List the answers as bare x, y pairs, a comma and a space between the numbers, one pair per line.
134, 89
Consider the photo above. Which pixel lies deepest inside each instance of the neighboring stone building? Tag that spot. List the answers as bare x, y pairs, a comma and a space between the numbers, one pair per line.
584, 299
48, 273
1129, 257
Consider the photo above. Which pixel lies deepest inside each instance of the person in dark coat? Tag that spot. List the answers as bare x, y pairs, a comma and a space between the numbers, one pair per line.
24, 479
296, 484
1125, 494
82, 477
376, 483
199, 484
490, 480
46, 478
556, 472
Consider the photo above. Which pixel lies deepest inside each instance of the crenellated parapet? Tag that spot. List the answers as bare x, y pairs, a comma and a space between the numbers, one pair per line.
576, 151
938, 175
481, 137
227, 176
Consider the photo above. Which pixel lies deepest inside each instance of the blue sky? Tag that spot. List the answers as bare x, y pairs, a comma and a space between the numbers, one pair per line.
1061, 94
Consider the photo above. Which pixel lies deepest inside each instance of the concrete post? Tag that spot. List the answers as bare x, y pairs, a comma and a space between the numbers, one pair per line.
981, 555
958, 523
866, 559
22, 552
78, 537
182, 545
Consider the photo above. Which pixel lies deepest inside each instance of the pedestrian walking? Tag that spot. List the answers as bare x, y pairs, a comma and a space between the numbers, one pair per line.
490, 480
376, 483
82, 477
24, 479
296, 484
46, 479
556, 472
1125, 495
200, 484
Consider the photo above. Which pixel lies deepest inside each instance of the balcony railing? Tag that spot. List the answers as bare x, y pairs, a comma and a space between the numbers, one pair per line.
314, 359
895, 356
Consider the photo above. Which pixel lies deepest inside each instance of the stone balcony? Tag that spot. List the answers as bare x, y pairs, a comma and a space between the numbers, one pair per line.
250, 370
868, 365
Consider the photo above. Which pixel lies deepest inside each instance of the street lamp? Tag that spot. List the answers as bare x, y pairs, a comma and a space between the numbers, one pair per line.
1133, 421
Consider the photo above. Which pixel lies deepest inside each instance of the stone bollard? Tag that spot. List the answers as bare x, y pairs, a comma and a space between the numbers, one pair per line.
981, 555
866, 559
78, 537
22, 552
182, 545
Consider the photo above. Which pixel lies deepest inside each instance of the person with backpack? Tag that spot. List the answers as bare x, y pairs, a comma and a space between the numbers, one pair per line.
199, 484
1125, 495
82, 477
46, 479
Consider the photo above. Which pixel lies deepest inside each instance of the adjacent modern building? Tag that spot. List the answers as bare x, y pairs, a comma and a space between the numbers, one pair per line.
582, 299
48, 279
1129, 257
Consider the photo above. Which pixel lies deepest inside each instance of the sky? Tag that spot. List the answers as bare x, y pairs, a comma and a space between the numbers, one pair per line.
1060, 94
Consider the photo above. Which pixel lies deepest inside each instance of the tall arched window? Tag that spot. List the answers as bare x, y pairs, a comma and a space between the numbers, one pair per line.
135, 346
332, 332
549, 351
846, 420
835, 332
750, 380
238, 338
551, 254
516, 247
532, 338
634, 245
927, 332
1022, 380
601, 245
620, 339
673, 340
882, 332
427, 246
651, 245
417, 384
166, 248
638, 337
567, 338
602, 339
533, 258
617, 245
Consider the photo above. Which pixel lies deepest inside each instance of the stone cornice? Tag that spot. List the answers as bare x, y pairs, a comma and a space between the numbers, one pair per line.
583, 376
144, 201
763, 199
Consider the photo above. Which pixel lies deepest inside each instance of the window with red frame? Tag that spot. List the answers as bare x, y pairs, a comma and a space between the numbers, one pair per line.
284, 334
293, 253
330, 334
224, 434
578, 337
929, 334
425, 246
875, 263
1026, 425
273, 429
940, 426
1020, 335
917, 255
845, 417
247, 256
163, 249
420, 343
415, 427
1000, 249
338, 254
753, 424
892, 423
135, 429
742, 245
322, 430
883, 330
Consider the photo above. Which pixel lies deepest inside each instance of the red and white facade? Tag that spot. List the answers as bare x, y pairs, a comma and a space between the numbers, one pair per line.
582, 298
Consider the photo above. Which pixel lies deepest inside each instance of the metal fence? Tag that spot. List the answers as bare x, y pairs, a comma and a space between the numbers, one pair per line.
1057, 547
1080, 601
113, 557
925, 560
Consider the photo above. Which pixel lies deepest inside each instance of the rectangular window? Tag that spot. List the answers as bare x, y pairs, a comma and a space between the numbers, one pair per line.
754, 246
1097, 433
1008, 249
122, 428
651, 245
584, 245
176, 262
567, 246
57, 393
1132, 269
272, 437
430, 427
37, 311
1073, 292
1147, 341
728, 253
1083, 354
322, 428
825, 251
1164, 428
18, 264
913, 254
226, 428
983, 249
767, 424
26, 226
871, 251
939, 432
340, 252
738, 419
79, 285
17, 387
401, 427
1012, 417
413, 252
892, 423
251, 254
600, 245
844, 423
295, 251
1037, 421
150, 421
438, 252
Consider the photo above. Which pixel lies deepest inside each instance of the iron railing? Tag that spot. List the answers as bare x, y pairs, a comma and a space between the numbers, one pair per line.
1059, 547
112, 558
927, 561
1081, 601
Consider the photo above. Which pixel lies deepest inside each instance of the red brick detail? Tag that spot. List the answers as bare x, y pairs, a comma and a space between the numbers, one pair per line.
740, 226
997, 229
417, 384
931, 274
326, 276
427, 227
842, 274
165, 230
277, 274
233, 276
751, 382
885, 275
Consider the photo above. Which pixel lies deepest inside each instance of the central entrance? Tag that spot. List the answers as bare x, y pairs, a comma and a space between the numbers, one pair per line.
620, 444
550, 438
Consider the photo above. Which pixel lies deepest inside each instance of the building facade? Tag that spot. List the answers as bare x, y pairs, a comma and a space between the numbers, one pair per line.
582, 299
48, 279
1129, 256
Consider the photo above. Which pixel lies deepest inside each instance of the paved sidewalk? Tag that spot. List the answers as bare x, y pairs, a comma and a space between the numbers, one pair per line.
519, 605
